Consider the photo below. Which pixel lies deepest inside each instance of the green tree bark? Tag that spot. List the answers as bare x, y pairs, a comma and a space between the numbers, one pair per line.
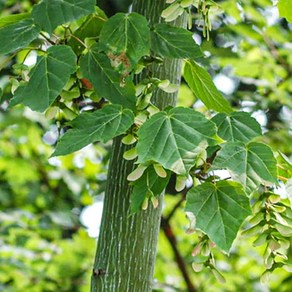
126, 248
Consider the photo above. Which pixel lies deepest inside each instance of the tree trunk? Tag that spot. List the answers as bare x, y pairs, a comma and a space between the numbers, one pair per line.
126, 249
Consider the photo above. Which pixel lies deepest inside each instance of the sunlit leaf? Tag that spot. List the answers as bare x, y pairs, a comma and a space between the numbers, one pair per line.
47, 78
175, 138
251, 165
203, 87
107, 82
17, 35
101, 125
174, 42
48, 14
220, 209
239, 126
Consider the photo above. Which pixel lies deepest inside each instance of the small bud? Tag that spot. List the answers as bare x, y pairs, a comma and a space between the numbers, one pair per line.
269, 261
274, 198
145, 203
198, 267
186, 3
180, 183
51, 112
219, 277
154, 201
284, 230
257, 229
280, 219
130, 154
197, 249
140, 119
261, 239
129, 139
137, 173
256, 219
205, 251
265, 278
170, 10
160, 171
152, 110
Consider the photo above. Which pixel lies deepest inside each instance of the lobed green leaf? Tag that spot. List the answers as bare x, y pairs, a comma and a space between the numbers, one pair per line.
101, 125
47, 78
175, 139
90, 28
107, 82
220, 209
13, 18
238, 126
48, 14
203, 87
17, 35
251, 164
174, 42
126, 37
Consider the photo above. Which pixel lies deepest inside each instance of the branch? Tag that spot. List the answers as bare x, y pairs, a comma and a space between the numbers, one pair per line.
167, 229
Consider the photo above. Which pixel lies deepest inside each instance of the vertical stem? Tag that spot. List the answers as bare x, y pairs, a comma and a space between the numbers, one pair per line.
126, 249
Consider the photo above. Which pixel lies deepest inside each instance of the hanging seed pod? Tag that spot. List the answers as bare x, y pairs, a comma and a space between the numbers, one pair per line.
129, 139
198, 267
186, 3
160, 171
137, 173
130, 154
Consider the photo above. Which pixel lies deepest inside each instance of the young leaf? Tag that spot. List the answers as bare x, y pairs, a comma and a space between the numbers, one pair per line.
220, 209
47, 78
174, 42
106, 81
239, 126
171, 138
203, 87
17, 35
48, 14
126, 36
148, 181
101, 125
251, 165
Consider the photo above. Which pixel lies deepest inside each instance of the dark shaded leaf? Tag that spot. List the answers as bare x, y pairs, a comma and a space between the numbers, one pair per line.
17, 35
47, 78
174, 42
220, 209
48, 14
251, 165
101, 125
107, 82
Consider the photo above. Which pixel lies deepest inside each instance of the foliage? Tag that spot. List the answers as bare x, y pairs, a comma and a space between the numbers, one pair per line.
76, 67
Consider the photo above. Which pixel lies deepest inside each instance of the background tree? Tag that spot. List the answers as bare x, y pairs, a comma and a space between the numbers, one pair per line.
35, 175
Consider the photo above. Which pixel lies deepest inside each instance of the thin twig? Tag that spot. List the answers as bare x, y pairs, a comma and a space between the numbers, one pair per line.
167, 229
